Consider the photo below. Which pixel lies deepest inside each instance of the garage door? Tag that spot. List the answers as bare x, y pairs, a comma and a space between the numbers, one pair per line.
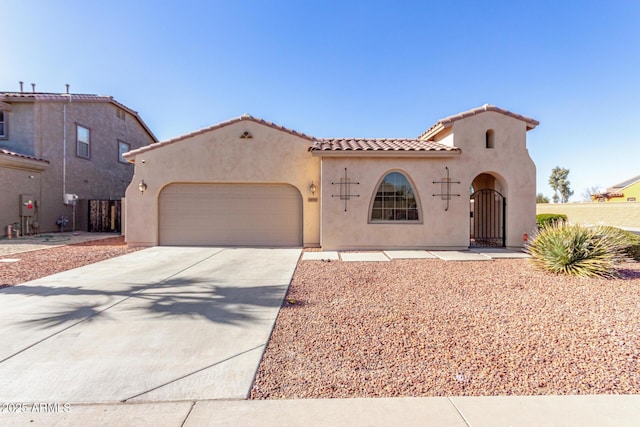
230, 215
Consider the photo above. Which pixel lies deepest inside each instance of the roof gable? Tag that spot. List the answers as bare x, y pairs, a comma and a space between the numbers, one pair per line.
244, 117
448, 121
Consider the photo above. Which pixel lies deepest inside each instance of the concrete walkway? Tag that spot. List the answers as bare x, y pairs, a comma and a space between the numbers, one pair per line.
479, 254
154, 325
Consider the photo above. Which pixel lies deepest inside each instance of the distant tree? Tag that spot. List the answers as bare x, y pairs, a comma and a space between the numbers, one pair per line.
588, 192
541, 198
560, 185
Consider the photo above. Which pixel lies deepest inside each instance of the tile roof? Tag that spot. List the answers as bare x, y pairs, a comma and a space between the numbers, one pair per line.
73, 97
448, 121
379, 144
244, 117
22, 156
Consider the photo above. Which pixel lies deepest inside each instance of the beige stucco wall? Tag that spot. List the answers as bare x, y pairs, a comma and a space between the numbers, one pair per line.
509, 162
220, 156
626, 215
353, 230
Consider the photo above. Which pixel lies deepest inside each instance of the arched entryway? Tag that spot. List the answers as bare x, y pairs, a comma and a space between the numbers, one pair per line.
487, 212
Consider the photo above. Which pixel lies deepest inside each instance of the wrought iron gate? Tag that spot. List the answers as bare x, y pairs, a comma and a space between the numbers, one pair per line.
488, 209
104, 215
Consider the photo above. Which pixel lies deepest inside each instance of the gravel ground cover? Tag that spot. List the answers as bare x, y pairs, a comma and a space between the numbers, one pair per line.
35, 264
434, 328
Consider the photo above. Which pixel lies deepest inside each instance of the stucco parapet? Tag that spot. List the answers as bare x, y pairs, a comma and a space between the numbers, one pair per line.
448, 121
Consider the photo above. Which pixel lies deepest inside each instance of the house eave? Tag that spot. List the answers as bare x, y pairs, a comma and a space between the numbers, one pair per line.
23, 164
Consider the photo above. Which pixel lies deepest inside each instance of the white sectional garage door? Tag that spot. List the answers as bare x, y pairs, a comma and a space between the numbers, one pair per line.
230, 215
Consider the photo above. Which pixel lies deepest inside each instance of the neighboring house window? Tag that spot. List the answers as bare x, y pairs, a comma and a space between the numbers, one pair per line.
84, 141
3, 124
490, 138
631, 199
123, 147
120, 114
394, 200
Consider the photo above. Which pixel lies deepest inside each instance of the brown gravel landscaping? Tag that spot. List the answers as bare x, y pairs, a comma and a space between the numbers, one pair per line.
435, 328
35, 264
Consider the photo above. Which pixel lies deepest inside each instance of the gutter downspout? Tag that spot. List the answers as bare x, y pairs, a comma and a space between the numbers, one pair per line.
64, 146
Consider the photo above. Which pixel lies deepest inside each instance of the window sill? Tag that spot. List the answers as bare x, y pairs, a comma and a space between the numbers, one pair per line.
414, 222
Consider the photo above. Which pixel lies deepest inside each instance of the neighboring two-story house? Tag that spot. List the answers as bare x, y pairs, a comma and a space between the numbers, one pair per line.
52, 144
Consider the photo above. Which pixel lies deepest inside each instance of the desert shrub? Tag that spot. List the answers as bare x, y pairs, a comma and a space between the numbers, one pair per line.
631, 242
577, 250
546, 219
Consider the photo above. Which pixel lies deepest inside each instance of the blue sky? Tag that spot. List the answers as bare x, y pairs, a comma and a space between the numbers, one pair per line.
351, 68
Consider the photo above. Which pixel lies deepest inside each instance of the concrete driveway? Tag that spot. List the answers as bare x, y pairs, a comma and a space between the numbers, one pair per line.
161, 324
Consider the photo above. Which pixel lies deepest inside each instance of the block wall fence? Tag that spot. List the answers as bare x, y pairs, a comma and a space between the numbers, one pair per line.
614, 214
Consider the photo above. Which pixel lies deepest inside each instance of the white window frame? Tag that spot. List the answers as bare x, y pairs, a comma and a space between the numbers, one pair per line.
417, 208
79, 142
120, 152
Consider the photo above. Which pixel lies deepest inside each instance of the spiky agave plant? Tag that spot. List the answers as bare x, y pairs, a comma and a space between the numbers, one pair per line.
577, 250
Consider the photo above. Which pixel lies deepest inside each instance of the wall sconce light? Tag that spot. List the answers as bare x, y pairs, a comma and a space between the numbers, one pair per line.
312, 188
142, 186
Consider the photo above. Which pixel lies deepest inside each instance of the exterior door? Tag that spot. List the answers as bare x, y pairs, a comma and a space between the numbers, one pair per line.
488, 208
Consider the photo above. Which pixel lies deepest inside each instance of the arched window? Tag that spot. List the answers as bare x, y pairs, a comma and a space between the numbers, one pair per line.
490, 137
394, 200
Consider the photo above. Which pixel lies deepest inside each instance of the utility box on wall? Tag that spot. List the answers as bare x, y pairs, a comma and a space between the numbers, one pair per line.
27, 205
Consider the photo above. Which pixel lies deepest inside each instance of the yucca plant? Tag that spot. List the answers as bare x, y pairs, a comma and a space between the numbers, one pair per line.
632, 243
577, 250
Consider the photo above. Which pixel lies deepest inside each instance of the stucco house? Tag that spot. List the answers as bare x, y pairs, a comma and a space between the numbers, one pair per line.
466, 181
52, 144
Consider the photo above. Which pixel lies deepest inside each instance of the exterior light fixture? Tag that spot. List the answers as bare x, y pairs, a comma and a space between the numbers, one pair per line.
312, 188
142, 186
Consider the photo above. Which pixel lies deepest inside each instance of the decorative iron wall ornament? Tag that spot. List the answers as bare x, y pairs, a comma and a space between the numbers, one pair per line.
445, 188
345, 184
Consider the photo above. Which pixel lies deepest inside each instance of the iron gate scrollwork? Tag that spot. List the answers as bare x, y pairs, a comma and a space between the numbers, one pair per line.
488, 213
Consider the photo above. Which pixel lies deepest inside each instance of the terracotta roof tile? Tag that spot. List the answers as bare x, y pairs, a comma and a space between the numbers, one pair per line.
448, 121
22, 156
378, 144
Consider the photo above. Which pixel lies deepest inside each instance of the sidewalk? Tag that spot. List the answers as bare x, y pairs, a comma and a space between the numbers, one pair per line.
601, 410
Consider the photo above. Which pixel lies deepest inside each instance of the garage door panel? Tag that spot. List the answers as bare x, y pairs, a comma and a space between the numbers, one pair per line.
230, 214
